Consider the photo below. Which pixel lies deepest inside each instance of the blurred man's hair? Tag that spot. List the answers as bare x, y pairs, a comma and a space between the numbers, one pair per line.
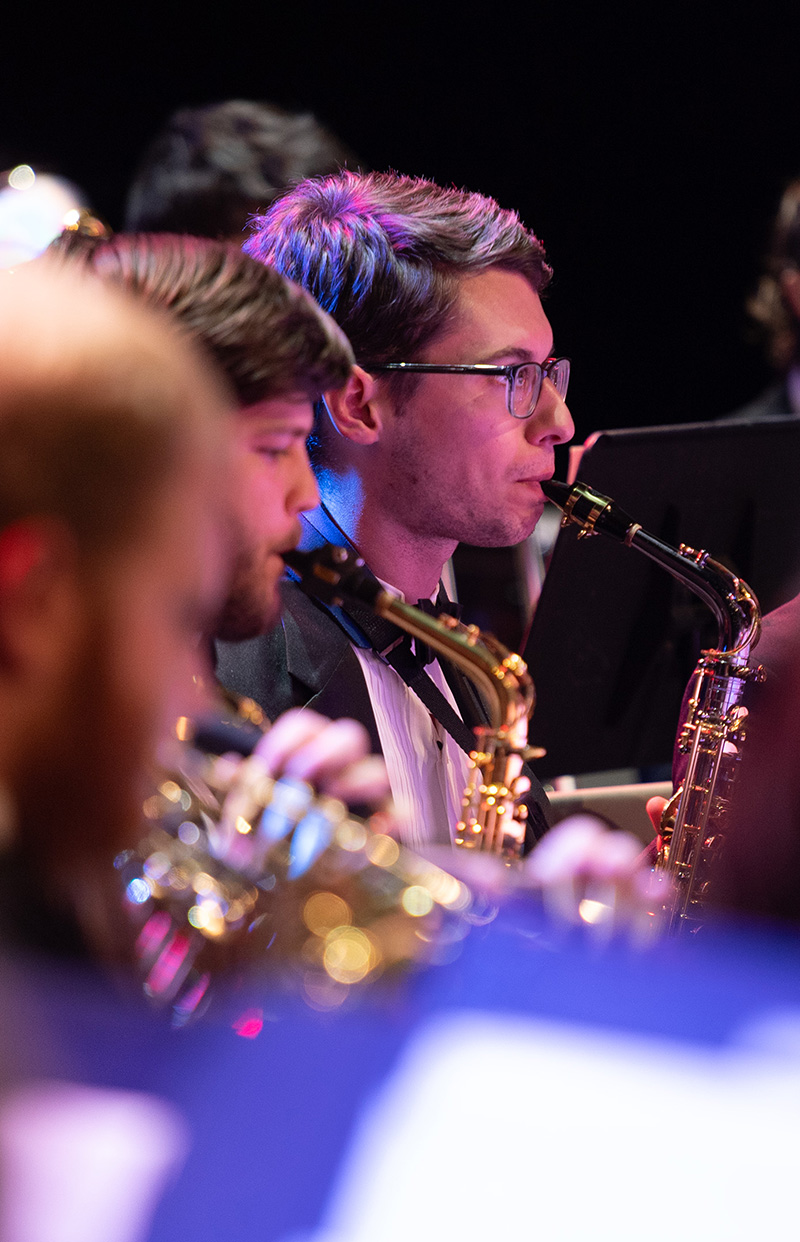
384, 253
768, 306
99, 400
266, 334
212, 167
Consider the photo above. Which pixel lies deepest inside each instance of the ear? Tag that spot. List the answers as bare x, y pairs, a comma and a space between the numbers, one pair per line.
790, 288
22, 549
39, 594
356, 411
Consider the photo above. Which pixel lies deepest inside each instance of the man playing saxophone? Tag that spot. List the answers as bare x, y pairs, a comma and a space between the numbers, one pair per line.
278, 351
442, 433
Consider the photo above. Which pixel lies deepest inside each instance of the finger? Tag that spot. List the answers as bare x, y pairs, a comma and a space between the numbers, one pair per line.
655, 809
244, 798
363, 782
612, 855
554, 865
291, 732
330, 751
588, 873
560, 853
561, 901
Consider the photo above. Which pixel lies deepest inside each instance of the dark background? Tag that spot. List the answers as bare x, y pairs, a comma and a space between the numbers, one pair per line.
646, 147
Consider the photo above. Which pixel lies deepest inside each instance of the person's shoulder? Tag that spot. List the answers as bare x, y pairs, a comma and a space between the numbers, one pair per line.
780, 635
257, 669
287, 666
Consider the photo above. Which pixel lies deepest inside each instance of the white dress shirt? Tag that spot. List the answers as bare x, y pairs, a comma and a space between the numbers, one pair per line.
427, 769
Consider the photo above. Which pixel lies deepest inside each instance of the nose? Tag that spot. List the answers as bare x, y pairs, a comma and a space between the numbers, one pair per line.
551, 422
304, 494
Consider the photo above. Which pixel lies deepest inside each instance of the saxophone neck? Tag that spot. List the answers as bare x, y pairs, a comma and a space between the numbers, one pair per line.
501, 676
731, 600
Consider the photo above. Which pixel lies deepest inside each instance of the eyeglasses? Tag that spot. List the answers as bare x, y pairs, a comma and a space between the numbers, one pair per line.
524, 379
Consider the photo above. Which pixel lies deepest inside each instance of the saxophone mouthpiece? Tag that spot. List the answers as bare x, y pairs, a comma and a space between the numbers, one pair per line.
590, 510
555, 491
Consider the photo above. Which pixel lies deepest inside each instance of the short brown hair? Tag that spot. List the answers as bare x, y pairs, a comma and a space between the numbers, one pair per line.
267, 335
383, 253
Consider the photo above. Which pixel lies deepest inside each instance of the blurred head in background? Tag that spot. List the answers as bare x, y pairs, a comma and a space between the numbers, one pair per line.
212, 167
775, 306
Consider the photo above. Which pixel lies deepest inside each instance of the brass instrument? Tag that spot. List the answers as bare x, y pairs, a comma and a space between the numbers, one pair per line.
692, 830
492, 818
238, 871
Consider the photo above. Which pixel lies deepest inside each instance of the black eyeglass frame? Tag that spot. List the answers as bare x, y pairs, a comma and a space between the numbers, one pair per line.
543, 370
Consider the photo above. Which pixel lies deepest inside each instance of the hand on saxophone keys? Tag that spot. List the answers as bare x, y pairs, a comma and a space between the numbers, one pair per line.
590, 874
585, 874
332, 755
655, 808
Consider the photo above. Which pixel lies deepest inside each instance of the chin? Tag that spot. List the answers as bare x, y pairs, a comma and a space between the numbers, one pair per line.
502, 525
501, 535
247, 615
525, 526
271, 616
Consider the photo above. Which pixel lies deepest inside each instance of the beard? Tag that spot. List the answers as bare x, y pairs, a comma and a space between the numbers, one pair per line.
252, 606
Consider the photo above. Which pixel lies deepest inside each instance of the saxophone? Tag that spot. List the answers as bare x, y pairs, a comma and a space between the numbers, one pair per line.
492, 818
693, 823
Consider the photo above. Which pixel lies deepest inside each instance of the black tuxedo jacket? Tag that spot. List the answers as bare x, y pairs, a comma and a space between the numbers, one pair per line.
309, 661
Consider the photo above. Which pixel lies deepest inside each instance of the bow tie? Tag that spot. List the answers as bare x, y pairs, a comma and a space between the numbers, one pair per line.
422, 652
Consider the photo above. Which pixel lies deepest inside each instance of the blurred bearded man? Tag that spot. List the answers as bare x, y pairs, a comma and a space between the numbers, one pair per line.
279, 351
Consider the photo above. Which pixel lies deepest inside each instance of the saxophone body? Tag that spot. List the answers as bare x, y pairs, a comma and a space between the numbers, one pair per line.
711, 737
492, 817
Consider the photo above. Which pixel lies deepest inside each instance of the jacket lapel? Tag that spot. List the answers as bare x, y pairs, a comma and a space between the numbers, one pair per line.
321, 657
319, 654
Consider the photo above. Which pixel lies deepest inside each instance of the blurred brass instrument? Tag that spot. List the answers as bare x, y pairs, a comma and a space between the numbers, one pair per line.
492, 817
239, 872
693, 825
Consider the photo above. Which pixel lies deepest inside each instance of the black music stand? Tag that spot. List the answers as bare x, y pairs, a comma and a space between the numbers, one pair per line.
615, 638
